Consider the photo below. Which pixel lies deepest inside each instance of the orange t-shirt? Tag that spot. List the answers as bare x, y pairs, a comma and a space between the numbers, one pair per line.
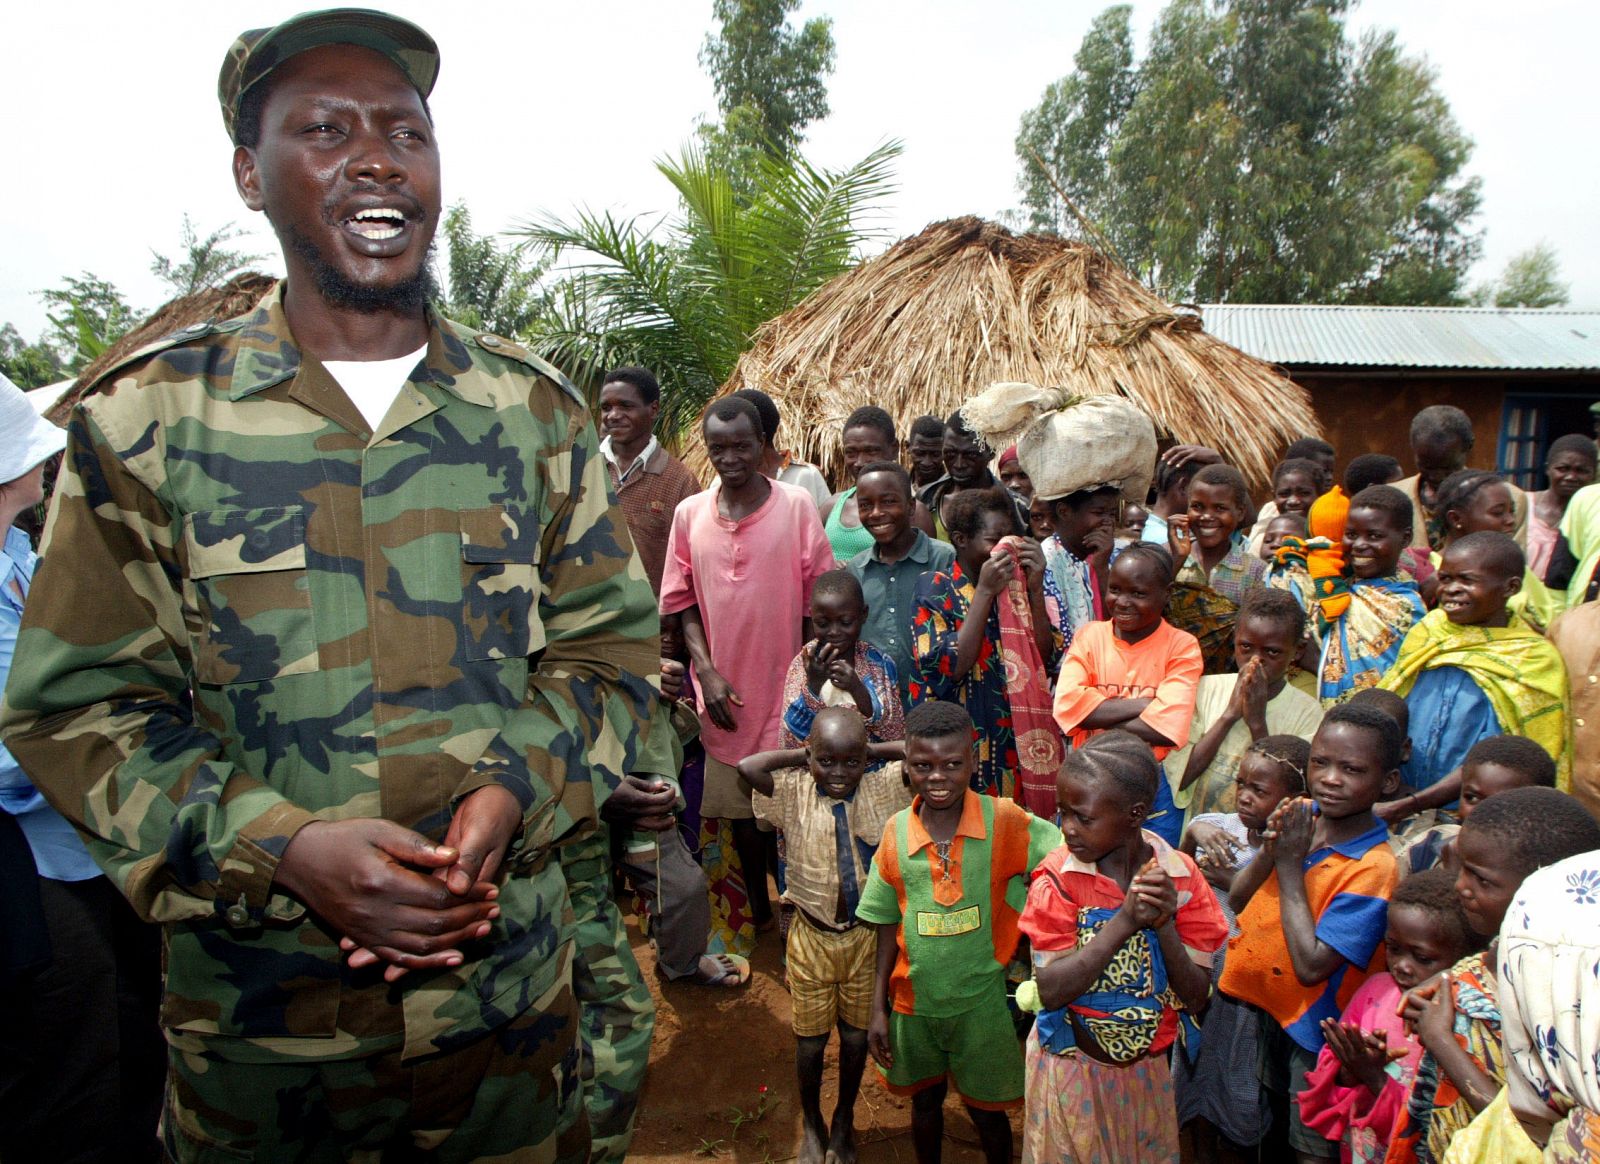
1163, 667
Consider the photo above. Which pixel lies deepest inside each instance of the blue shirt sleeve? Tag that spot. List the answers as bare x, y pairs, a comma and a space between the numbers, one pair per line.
1353, 924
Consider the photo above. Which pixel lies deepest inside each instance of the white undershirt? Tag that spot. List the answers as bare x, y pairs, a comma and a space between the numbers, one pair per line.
373, 384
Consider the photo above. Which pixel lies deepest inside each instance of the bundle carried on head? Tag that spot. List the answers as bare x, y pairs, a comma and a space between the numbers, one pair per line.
1068, 443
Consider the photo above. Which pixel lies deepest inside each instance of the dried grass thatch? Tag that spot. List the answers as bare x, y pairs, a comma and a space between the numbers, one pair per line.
967, 303
234, 297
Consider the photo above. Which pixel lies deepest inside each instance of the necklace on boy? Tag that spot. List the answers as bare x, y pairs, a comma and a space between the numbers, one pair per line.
942, 851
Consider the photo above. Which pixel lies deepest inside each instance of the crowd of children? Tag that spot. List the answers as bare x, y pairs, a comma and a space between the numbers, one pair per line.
1222, 812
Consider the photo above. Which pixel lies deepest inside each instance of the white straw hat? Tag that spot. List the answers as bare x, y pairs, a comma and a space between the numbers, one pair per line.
26, 438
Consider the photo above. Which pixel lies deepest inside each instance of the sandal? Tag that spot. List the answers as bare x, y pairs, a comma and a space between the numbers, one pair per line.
721, 970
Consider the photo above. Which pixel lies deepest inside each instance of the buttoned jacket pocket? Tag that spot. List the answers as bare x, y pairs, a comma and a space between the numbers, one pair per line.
499, 584
251, 593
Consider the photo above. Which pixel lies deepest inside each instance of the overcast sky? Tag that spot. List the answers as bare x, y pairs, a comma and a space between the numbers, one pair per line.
110, 109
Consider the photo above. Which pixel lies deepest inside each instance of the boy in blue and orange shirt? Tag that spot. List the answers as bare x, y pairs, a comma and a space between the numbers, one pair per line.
1313, 905
947, 886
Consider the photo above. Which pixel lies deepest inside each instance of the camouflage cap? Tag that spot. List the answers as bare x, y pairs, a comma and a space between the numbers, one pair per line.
260, 50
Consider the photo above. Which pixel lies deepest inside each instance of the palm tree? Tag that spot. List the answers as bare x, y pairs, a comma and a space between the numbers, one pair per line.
683, 296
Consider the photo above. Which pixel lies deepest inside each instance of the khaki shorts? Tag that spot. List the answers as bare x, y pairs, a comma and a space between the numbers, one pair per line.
725, 794
830, 976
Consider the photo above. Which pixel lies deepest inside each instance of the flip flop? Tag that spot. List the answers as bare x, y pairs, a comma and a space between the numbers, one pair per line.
727, 970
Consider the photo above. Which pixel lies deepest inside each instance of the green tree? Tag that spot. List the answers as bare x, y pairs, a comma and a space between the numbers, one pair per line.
1256, 154
1531, 279
87, 315
683, 295
489, 287
206, 262
770, 79
27, 365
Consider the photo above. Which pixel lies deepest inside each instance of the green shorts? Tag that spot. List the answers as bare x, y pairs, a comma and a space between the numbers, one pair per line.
1281, 1065
977, 1051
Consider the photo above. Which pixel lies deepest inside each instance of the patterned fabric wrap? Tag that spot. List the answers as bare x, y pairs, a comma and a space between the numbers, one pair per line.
1306, 561
1122, 1010
1517, 668
1361, 646
1040, 750
942, 605
1437, 1110
1210, 618
1549, 964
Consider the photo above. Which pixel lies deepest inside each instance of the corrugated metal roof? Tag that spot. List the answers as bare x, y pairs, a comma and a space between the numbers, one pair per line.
1519, 339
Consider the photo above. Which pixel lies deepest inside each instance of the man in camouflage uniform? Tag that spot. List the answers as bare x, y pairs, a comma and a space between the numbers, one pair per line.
325, 674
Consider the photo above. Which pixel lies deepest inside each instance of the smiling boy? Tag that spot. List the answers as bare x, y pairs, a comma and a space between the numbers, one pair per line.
947, 887
888, 572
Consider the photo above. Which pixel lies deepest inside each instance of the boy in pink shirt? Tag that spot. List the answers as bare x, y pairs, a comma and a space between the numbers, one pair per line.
741, 560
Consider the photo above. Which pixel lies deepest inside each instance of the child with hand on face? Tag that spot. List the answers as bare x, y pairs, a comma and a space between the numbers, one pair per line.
1218, 1094
833, 813
838, 668
1456, 1016
1363, 1075
984, 640
1122, 928
1495, 765
947, 884
1215, 567
1313, 905
1135, 671
1230, 711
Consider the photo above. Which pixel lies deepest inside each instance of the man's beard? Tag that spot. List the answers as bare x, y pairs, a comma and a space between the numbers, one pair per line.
406, 297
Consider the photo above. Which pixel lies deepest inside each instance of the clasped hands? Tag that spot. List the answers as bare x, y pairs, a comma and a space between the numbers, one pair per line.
394, 896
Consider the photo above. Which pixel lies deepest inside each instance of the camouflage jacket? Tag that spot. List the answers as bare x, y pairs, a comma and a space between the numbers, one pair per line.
253, 612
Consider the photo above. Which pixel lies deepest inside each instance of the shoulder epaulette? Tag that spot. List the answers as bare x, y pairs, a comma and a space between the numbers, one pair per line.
501, 346
174, 339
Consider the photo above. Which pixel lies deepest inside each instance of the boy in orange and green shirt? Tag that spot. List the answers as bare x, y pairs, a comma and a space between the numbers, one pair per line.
947, 886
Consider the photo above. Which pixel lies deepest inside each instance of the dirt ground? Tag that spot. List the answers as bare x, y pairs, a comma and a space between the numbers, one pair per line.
722, 1083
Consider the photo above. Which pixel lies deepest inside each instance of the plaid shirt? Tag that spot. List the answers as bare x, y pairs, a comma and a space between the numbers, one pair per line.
1239, 571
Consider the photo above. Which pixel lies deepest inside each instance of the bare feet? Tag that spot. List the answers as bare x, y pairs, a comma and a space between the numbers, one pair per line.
812, 1142
842, 1143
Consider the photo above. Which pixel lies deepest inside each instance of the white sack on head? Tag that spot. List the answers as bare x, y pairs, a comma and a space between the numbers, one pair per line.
1067, 443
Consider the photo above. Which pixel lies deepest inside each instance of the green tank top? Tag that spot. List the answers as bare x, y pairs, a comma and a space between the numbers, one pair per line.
847, 540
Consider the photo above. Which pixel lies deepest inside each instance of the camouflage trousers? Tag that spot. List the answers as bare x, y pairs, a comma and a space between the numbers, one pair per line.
512, 1096
619, 1015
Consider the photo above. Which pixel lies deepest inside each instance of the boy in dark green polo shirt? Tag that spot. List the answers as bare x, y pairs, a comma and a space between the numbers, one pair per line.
888, 571
947, 886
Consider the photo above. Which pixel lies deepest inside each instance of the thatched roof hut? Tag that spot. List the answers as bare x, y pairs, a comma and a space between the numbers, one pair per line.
234, 297
965, 304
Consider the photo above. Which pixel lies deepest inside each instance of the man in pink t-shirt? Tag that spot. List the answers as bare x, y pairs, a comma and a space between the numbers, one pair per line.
741, 560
